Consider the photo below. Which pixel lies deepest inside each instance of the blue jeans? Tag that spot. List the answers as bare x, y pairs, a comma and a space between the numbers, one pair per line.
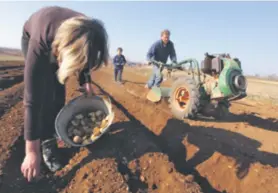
118, 74
156, 77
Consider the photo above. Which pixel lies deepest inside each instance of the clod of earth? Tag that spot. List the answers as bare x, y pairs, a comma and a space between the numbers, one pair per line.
85, 127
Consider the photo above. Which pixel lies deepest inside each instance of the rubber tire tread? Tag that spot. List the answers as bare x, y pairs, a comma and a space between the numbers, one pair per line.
194, 99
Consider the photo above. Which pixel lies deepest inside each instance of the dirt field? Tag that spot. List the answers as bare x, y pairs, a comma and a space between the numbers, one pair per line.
147, 150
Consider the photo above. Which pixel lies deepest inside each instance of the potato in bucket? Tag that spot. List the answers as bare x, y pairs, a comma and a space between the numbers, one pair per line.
84, 119
87, 126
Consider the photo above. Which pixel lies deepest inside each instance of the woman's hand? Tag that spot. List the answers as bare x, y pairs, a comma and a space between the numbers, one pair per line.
30, 167
86, 89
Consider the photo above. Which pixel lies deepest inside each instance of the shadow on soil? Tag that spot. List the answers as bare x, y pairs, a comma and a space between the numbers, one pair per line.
4, 67
128, 140
269, 124
130, 127
139, 83
13, 181
10, 98
7, 82
210, 140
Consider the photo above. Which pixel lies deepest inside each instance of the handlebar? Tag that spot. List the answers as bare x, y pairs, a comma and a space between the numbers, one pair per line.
192, 61
176, 65
161, 64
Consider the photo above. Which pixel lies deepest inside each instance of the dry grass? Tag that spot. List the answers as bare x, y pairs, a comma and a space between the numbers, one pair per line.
4, 57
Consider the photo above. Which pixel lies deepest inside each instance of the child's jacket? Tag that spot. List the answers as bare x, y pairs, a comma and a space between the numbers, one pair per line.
119, 61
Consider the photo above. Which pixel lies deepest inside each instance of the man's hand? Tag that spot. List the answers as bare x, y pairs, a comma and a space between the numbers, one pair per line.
150, 61
159, 64
86, 89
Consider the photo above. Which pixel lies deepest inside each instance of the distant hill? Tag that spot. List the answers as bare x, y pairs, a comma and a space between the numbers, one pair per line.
10, 51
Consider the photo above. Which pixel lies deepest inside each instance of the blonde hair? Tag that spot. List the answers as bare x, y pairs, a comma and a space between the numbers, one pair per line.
80, 43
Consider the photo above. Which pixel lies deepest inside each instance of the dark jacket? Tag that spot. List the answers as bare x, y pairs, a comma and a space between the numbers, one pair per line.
39, 32
119, 61
160, 52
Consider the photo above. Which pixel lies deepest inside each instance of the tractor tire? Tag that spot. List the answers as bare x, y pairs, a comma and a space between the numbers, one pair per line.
191, 103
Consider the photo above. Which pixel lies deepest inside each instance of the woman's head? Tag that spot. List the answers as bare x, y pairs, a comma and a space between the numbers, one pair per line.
80, 43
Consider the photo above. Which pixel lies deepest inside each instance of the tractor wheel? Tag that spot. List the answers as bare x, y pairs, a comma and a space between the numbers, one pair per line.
184, 98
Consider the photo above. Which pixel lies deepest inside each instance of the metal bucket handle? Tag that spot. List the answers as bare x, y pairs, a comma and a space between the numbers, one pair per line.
89, 92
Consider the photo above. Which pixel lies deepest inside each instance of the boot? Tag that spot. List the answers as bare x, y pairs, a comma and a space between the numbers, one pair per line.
50, 155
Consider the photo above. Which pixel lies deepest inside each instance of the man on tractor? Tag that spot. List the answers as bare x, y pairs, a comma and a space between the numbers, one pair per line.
160, 51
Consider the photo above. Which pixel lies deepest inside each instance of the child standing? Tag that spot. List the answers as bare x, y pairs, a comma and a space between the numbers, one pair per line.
119, 61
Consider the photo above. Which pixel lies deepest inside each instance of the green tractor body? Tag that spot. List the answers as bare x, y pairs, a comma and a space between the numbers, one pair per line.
196, 91
230, 83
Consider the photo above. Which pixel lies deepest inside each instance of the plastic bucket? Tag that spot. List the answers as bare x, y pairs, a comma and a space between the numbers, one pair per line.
79, 105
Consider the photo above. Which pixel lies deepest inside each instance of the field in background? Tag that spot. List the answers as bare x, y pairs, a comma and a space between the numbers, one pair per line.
147, 150
4, 57
258, 88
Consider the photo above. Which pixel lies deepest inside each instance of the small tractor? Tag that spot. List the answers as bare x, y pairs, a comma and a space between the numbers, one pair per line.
206, 91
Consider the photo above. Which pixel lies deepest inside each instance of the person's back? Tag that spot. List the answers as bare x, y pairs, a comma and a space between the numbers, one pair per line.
43, 24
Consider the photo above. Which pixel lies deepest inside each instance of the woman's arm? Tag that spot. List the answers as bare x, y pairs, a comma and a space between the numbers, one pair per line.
32, 146
35, 73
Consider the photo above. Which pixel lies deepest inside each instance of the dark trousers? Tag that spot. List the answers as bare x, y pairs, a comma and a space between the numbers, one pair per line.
118, 74
54, 97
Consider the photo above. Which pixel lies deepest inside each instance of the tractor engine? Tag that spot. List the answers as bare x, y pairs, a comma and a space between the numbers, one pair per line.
207, 91
224, 78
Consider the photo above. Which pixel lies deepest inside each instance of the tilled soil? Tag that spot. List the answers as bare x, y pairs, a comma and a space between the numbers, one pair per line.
147, 150
125, 161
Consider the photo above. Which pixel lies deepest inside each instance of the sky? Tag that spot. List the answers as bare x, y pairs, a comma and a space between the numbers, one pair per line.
247, 30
